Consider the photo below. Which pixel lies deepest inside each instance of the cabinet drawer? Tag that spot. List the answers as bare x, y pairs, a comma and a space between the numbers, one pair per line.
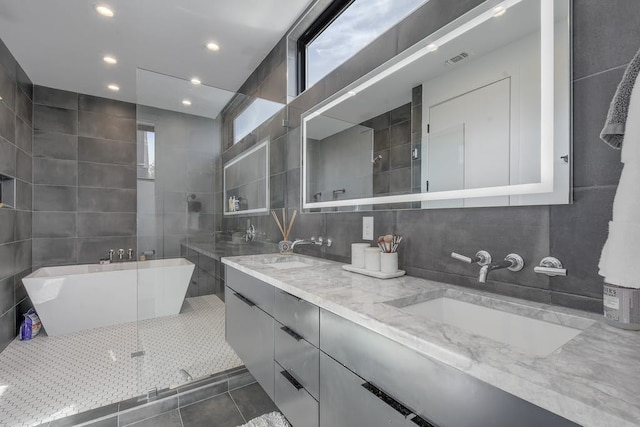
439, 393
345, 402
298, 357
299, 315
249, 331
257, 291
293, 400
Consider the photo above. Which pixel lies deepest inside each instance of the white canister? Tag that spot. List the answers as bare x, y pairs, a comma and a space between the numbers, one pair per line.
372, 259
389, 262
357, 254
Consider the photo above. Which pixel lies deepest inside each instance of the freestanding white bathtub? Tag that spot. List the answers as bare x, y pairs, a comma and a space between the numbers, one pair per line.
77, 297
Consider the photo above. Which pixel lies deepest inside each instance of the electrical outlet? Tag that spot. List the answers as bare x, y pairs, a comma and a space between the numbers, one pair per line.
367, 228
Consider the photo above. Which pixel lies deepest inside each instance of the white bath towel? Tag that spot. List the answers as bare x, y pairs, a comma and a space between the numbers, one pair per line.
618, 261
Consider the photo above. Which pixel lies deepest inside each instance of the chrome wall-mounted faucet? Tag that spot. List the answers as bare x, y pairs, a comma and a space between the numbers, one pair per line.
312, 241
481, 258
512, 262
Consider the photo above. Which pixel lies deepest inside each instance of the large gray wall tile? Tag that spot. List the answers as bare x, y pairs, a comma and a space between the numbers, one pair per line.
24, 166
94, 125
7, 158
106, 176
7, 123
7, 88
24, 107
54, 198
61, 251
24, 195
7, 300
106, 224
106, 106
605, 34
24, 135
55, 146
7, 260
23, 225
7, 328
55, 172
55, 98
7, 225
595, 163
54, 119
54, 224
105, 151
106, 200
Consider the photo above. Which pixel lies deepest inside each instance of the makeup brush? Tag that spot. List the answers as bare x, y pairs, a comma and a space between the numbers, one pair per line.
387, 242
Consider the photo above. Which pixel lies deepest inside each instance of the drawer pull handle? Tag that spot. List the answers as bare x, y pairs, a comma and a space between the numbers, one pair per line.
422, 422
406, 412
399, 407
290, 295
292, 333
292, 380
245, 300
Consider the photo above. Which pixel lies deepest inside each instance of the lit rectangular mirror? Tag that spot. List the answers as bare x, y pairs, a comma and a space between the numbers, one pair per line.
476, 114
246, 181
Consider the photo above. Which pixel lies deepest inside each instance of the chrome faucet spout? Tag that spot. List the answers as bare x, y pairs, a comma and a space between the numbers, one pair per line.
484, 271
304, 242
513, 262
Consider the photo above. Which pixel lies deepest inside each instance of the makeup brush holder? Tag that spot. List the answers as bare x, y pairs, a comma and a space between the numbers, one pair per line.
389, 262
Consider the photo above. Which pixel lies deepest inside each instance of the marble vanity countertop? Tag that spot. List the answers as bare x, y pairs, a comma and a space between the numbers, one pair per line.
593, 380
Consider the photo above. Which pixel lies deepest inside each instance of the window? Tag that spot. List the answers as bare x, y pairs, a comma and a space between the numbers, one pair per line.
342, 30
253, 116
146, 152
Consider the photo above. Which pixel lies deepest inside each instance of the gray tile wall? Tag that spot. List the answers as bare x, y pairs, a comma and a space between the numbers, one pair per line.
605, 38
181, 202
84, 175
16, 116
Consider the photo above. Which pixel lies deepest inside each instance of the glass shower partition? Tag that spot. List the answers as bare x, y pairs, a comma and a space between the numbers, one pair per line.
180, 331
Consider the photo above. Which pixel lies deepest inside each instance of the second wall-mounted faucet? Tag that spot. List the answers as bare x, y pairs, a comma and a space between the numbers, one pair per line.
512, 262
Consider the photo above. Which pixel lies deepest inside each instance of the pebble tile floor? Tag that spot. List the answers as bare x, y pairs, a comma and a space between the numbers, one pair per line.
52, 377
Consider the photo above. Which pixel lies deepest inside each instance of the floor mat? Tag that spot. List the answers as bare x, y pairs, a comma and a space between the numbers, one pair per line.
274, 419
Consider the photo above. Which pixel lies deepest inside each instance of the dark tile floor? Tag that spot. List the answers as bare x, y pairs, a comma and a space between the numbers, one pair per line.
230, 409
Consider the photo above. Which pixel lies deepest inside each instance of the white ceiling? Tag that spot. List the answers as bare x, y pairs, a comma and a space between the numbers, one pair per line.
60, 44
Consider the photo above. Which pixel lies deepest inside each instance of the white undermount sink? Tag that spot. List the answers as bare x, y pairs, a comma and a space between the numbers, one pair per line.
286, 262
527, 334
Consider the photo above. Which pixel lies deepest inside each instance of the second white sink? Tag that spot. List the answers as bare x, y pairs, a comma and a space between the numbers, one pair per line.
532, 336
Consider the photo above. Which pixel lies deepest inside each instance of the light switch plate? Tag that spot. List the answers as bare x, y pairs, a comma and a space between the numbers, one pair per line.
367, 228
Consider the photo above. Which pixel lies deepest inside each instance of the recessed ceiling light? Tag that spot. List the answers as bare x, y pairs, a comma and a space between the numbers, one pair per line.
104, 11
499, 11
213, 46
432, 47
196, 81
110, 60
113, 87
186, 102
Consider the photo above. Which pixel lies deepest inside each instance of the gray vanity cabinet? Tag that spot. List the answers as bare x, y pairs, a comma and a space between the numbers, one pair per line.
249, 326
406, 381
297, 359
276, 335
344, 402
